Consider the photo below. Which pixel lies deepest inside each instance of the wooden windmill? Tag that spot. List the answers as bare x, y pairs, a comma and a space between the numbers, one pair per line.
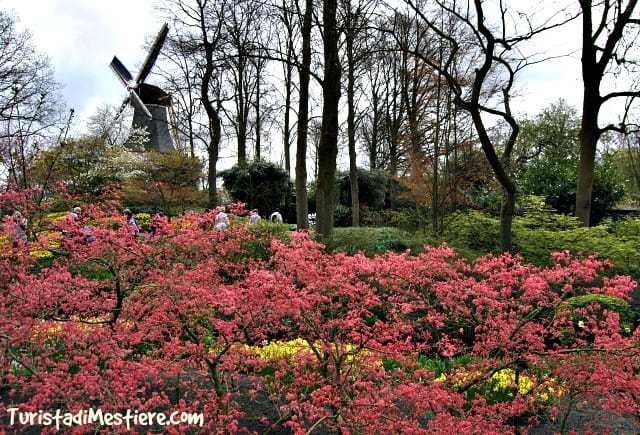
150, 103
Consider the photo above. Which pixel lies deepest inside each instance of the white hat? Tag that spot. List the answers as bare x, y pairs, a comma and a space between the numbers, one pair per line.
77, 210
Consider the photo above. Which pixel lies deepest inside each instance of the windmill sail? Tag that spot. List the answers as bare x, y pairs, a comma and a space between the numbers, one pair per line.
121, 71
138, 104
154, 52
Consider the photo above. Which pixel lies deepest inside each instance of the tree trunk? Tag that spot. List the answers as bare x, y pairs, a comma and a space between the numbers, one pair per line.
589, 135
328, 147
286, 134
242, 109
506, 217
501, 172
257, 154
212, 174
589, 132
302, 206
351, 128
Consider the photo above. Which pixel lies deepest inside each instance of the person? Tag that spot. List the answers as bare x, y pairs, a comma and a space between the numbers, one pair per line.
222, 219
157, 220
19, 234
77, 216
254, 217
132, 224
75, 213
276, 217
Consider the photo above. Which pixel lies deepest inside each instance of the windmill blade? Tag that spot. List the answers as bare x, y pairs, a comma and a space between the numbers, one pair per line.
121, 71
153, 54
122, 107
137, 102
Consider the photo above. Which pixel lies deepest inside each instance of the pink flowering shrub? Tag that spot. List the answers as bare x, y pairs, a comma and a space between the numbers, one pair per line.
398, 343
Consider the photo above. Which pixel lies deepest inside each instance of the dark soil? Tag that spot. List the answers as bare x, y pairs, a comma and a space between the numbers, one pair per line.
583, 419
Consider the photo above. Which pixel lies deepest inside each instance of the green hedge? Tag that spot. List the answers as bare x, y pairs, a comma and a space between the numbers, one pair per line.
537, 233
371, 240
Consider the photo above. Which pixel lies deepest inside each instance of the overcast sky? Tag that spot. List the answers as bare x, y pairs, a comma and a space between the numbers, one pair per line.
82, 36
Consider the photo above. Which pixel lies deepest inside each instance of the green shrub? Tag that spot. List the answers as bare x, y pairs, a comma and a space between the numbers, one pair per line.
370, 240
533, 212
604, 302
342, 216
538, 231
372, 186
409, 218
472, 230
627, 228
535, 245
260, 184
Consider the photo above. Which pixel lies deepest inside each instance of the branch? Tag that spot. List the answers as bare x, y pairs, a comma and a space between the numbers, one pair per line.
612, 95
15, 357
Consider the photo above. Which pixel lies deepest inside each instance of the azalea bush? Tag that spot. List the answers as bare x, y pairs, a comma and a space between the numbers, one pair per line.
192, 319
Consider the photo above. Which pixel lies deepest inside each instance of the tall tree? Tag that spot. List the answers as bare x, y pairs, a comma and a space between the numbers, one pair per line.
371, 125
31, 110
286, 41
609, 40
356, 14
201, 22
259, 63
304, 71
328, 146
242, 34
181, 76
394, 115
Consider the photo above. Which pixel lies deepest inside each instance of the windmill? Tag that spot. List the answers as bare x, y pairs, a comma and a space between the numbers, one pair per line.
150, 103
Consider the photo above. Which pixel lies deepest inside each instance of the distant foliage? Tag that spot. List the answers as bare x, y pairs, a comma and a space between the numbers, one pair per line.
538, 230
261, 185
372, 187
548, 153
371, 241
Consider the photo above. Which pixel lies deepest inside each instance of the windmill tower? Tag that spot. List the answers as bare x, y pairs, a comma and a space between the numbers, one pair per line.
151, 104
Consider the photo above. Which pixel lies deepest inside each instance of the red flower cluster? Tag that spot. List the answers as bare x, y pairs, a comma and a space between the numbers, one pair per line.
170, 322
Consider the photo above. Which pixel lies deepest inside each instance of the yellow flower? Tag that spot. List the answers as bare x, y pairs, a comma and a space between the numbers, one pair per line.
540, 389
41, 253
279, 349
506, 378
46, 331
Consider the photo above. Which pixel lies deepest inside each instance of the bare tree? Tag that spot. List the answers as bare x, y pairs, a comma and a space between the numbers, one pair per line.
609, 41
328, 147
31, 112
242, 33
287, 37
493, 60
181, 75
355, 23
199, 23
304, 71
371, 126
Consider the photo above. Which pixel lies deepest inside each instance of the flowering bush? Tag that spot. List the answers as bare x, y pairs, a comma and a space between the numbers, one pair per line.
188, 319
